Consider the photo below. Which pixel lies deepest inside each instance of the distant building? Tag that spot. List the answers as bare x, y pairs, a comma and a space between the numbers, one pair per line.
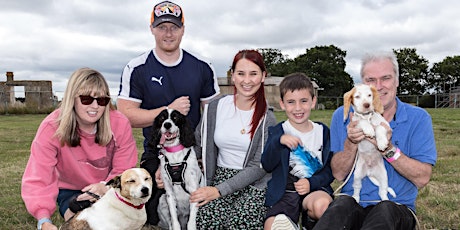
36, 93
271, 83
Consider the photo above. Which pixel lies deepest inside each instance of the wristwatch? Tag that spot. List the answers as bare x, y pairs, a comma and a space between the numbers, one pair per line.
392, 154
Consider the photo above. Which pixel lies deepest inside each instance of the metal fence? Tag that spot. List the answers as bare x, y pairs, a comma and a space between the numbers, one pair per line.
451, 100
42, 99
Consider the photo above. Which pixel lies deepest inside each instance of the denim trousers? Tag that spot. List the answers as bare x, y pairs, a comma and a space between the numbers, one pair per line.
345, 213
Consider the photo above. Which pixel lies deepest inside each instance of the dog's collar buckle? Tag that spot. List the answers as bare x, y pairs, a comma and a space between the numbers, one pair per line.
129, 204
174, 149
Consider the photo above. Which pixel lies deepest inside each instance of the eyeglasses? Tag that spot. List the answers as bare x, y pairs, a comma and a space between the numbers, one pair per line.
88, 100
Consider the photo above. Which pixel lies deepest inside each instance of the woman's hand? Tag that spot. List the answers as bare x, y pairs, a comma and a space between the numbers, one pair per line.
49, 226
93, 191
204, 195
158, 179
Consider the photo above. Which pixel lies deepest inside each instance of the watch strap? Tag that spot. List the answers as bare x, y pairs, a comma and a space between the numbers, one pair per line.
42, 221
395, 156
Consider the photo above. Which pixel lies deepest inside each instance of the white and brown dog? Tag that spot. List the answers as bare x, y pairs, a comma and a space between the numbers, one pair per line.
367, 111
122, 207
179, 167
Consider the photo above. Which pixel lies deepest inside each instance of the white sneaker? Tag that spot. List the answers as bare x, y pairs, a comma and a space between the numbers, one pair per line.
282, 222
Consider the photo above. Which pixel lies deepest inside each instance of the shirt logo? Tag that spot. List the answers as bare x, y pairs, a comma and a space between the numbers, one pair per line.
157, 80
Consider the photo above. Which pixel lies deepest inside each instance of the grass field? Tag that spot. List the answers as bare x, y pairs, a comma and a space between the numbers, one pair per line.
438, 204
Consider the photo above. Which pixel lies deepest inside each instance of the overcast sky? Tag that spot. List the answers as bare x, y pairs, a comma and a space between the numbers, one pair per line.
50, 39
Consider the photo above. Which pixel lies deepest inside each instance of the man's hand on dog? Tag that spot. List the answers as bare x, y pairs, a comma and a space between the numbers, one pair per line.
389, 134
204, 195
355, 135
181, 104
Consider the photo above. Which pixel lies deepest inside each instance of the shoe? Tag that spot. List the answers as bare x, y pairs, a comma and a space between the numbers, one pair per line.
307, 222
282, 222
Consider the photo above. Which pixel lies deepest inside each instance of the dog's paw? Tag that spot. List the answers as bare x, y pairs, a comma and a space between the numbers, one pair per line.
176, 226
369, 131
191, 225
356, 198
392, 192
382, 144
383, 195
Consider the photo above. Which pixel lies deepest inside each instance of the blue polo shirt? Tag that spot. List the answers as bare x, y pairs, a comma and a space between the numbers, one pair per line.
149, 81
412, 133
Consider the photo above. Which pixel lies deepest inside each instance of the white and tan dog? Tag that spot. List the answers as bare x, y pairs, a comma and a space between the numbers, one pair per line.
122, 207
180, 171
367, 111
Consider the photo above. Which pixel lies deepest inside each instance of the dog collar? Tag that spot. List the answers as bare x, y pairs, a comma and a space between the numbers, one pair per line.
174, 149
365, 116
126, 202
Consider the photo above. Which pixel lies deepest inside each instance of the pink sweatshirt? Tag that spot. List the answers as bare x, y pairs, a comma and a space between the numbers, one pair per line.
52, 166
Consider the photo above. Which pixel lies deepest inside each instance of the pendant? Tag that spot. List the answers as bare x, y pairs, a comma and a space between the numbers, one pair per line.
243, 131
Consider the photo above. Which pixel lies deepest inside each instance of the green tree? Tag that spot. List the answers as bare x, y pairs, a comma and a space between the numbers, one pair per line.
445, 75
326, 66
275, 61
413, 72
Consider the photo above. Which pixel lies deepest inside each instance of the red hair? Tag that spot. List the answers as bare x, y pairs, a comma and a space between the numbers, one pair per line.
259, 97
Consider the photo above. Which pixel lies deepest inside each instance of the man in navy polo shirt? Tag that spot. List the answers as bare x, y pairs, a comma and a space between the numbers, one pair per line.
164, 77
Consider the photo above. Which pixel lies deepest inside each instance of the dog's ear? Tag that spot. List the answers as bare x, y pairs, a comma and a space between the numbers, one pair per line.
115, 182
155, 137
347, 101
187, 136
156, 129
378, 107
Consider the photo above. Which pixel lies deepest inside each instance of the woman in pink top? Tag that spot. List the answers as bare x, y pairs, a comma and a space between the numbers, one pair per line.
77, 148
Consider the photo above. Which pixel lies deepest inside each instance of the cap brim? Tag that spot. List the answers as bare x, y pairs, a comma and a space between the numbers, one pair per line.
164, 19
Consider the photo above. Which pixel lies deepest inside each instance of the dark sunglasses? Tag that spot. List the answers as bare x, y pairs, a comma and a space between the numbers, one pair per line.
88, 100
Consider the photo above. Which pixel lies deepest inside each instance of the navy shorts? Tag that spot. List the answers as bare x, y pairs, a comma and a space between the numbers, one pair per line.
289, 205
64, 198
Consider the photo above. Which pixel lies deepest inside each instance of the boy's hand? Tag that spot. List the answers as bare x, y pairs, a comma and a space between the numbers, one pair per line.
302, 186
290, 141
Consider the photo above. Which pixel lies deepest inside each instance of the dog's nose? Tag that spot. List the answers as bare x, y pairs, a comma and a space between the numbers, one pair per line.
145, 190
366, 105
167, 125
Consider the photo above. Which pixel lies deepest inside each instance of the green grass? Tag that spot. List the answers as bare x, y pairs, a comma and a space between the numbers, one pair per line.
438, 204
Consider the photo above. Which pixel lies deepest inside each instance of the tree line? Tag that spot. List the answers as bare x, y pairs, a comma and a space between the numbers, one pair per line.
326, 66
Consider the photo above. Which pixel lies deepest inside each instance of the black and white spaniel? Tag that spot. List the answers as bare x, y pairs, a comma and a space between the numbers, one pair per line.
180, 172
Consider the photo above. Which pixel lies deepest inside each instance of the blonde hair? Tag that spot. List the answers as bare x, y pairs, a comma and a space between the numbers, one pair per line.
83, 81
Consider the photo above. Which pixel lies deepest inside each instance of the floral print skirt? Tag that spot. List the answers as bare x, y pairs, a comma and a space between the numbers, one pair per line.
243, 209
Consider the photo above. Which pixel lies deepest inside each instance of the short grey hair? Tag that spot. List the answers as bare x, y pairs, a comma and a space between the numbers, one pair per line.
369, 57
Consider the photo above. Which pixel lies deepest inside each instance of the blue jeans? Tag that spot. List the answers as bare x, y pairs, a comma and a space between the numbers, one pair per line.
345, 213
64, 198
